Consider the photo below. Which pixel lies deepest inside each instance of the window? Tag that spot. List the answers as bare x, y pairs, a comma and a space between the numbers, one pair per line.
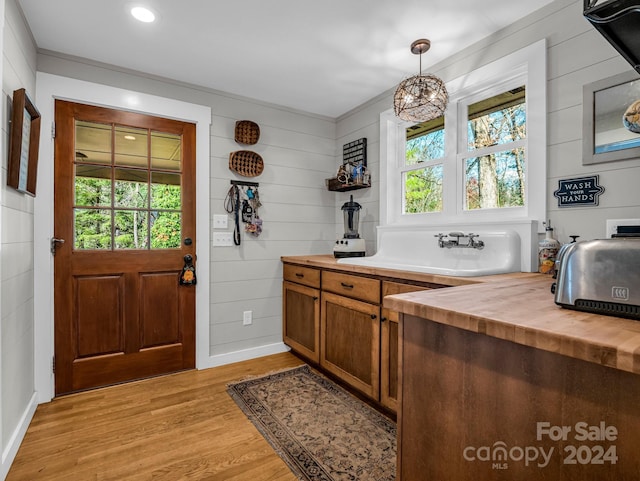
127, 188
422, 169
483, 161
494, 164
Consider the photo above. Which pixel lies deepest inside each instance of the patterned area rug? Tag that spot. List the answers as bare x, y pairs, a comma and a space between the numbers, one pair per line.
321, 431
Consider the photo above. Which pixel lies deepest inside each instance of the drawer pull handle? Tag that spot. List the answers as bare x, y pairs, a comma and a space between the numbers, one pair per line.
373, 316
299, 276
346, 286
383, 319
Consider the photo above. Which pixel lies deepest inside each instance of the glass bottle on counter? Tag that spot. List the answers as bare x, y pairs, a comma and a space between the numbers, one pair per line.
547, 251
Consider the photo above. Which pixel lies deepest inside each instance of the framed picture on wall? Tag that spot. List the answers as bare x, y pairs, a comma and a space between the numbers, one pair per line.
24, 137
611, 119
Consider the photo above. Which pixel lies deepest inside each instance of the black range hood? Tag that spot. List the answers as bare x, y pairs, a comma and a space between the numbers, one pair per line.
619, 22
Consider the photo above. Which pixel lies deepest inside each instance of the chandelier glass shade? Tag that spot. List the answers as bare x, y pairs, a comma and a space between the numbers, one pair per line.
421, 97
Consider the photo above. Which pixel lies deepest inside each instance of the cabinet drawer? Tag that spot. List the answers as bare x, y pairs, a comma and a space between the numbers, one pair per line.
302, 275
357, 287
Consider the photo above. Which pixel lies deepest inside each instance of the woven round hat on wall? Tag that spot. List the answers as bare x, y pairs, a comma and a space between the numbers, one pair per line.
246, 163
247, 132
631, 117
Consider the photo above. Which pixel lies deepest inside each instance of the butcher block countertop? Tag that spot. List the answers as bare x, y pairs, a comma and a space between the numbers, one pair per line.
330, 262
515, 307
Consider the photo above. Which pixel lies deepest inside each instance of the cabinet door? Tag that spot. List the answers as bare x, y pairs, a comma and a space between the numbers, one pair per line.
389, 364
350, 347
301, 319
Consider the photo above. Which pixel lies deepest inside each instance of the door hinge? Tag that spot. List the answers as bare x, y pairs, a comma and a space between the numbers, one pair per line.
53, 130
53, 364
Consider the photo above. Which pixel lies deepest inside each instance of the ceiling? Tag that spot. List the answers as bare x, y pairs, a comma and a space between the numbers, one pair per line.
324, 57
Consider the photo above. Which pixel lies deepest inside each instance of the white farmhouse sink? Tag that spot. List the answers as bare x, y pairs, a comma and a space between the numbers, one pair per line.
416, 249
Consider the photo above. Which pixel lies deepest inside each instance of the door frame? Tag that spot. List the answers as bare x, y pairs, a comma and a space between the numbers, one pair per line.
49, 88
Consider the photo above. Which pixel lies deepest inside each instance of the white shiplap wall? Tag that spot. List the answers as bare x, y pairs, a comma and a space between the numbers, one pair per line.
16, 250
576, 55
299, 153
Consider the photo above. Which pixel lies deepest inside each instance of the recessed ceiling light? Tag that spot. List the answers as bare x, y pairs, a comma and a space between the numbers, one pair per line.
143, 14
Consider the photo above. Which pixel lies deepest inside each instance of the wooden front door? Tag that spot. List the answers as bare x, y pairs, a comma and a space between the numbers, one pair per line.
125, 212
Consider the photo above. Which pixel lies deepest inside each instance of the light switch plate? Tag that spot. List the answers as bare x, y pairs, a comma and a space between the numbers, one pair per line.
220, 221
222, 239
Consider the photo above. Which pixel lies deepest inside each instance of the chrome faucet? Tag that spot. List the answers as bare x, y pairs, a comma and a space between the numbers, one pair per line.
445, 243
454, 240
475, 244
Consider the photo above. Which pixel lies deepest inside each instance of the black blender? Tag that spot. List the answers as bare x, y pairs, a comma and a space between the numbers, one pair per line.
351, 245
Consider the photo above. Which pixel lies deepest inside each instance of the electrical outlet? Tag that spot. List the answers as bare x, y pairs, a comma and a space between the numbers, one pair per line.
222, 239
220, 221
247, 318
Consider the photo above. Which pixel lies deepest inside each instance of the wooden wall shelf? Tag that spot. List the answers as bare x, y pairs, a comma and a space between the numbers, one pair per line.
336, 186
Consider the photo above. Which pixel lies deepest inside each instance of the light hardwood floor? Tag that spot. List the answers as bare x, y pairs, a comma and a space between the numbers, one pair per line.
180, 426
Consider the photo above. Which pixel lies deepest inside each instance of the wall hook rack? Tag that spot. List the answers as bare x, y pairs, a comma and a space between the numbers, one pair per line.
245, 183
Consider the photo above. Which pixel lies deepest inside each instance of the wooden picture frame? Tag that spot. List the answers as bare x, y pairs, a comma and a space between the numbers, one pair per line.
24, 139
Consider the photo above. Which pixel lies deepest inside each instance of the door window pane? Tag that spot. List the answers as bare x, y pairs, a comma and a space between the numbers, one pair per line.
131, 188
92, 229
495, 180
423, 190
131, 147
93, 142
93, 186
166, 151
165, 191
166, 229
131, 229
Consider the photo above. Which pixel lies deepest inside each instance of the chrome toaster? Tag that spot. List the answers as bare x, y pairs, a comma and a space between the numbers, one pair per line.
601, 276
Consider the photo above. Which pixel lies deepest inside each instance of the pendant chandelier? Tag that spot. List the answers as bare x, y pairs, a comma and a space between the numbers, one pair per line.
421, 97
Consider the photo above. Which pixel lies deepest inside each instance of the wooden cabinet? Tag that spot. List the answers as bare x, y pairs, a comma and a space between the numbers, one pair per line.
350, 330
350, 347
389, 363
301, 311
335, 319
463, 390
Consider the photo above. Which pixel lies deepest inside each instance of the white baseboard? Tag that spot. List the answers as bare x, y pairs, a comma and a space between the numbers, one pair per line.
245, 355
9, 453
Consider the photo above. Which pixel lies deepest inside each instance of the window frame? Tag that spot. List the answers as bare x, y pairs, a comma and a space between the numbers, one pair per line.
406, 169
518, 80
526, 67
